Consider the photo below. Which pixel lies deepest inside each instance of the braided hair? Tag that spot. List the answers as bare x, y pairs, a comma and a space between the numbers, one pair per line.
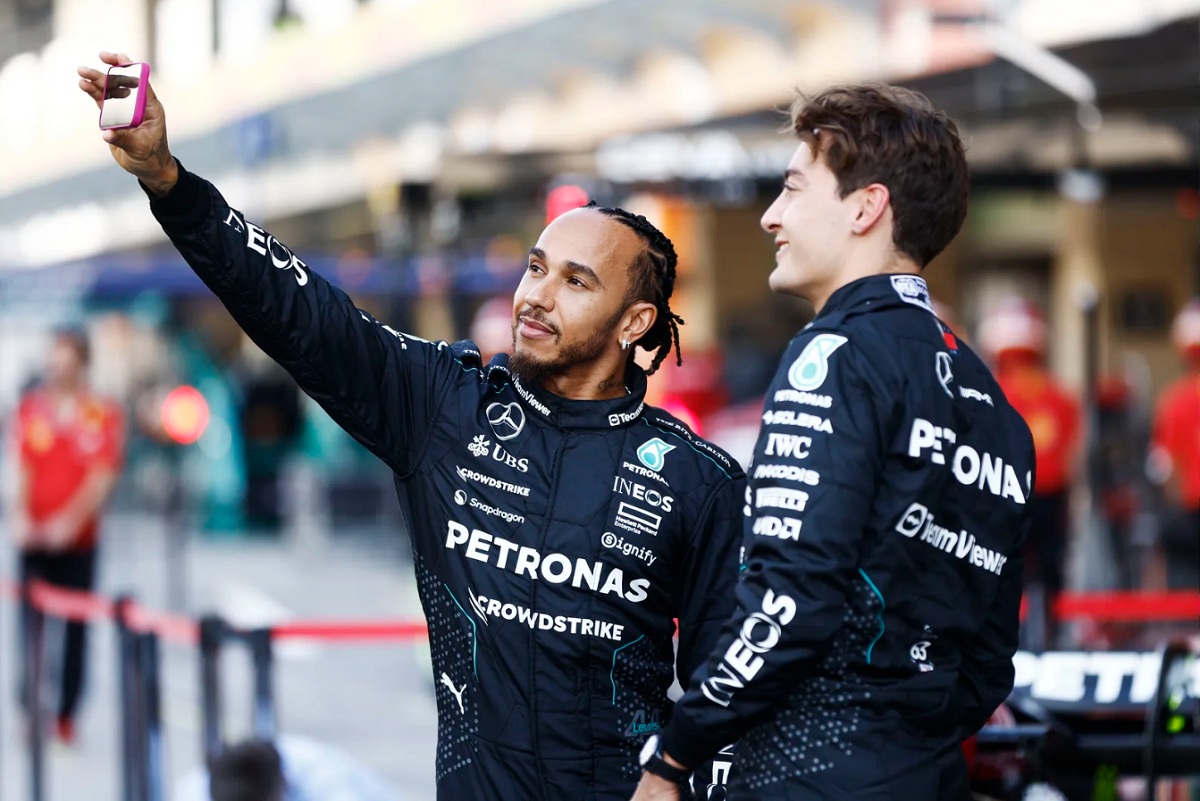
653, 281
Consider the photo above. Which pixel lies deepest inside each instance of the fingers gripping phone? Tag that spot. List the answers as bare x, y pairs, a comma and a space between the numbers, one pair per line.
124, 103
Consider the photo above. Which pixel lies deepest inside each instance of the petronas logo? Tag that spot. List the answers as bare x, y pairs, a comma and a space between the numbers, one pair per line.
653, 453
808, 372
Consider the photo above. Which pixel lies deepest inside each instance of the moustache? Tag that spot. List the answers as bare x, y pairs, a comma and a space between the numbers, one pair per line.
538, 318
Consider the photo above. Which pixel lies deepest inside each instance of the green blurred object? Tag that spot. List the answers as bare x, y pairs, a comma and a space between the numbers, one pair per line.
328, 445
214, 467
1105, 786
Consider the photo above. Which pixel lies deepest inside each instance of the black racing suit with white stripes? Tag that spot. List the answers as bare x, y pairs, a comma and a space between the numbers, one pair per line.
555, 541
877, 616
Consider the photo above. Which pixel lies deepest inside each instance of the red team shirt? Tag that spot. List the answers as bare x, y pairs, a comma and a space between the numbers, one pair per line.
1177, 431
1053, 419
57, 453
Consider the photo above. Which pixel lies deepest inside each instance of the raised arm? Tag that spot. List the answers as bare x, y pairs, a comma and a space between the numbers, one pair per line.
383, 387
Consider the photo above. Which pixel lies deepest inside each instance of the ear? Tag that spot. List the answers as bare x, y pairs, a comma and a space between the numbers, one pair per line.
637, 320
874, 203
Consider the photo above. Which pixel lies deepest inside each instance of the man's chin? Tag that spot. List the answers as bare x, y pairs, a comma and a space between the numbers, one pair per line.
531, 370
778, 281
784, 281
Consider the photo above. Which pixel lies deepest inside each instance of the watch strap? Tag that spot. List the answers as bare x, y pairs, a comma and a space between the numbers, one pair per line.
653, 762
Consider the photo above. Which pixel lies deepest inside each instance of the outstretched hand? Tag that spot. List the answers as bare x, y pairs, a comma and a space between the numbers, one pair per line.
141, 151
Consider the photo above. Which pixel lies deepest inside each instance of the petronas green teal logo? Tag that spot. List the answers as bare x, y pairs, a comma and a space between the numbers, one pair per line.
653, 453
809, 371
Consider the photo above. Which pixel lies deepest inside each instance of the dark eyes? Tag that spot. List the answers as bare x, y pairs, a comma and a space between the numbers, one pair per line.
574, 280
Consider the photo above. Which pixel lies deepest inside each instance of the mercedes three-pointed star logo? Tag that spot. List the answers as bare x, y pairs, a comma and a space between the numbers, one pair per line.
507, 420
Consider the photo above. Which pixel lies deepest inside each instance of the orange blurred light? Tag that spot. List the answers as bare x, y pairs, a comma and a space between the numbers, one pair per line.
184, 415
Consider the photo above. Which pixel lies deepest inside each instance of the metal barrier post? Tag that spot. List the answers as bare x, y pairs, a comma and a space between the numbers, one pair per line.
151, 718
20, 660
176, 551
128, 677
35, 630
1037, 623
212, 633
259, 641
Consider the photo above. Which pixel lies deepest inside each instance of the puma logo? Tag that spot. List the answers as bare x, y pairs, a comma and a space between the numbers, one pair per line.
457, 693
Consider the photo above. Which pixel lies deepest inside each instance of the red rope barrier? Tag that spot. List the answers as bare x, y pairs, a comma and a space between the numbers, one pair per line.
76, 605
175, 628
1129, 606
350, 630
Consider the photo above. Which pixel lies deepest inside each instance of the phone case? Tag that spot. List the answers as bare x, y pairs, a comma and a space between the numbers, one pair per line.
139, 109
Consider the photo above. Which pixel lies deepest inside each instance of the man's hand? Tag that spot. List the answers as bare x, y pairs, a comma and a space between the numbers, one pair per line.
58, 533
21, 530
655, 788
140, 151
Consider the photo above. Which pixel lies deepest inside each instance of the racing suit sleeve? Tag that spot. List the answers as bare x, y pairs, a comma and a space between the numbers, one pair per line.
985, 677
811, 488
705, 602
381, 386
706, 596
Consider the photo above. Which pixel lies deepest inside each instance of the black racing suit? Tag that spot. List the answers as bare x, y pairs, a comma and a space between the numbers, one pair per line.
877, 616
555, 540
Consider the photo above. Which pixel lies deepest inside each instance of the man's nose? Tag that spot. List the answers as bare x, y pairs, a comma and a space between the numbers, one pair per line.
770, 218
540, 295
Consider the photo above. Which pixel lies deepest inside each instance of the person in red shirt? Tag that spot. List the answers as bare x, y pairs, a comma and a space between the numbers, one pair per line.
1174, 460
1014, 336
68, 446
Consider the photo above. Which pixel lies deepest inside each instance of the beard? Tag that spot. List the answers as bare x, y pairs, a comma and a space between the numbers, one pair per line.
533, 371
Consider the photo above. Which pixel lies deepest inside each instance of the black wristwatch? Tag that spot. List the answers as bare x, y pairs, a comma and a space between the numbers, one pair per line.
653, 762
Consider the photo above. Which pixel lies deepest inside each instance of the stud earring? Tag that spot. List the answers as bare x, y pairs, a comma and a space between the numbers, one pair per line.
624, 344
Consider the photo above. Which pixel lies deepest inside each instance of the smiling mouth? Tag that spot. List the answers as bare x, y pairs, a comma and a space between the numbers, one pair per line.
535, 327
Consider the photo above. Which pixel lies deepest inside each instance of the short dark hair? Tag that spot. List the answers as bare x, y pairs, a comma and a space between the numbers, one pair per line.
653, 274
875, 133
248, 771
76, 337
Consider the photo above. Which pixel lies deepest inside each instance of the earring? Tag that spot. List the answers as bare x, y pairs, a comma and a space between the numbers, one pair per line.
624, 344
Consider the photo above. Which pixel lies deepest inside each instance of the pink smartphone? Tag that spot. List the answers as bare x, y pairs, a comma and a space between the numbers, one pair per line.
124, 104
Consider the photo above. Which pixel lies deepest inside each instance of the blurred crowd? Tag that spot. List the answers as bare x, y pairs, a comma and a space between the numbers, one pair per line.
1118, 474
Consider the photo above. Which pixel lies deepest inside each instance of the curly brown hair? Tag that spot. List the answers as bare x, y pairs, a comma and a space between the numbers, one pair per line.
875, 133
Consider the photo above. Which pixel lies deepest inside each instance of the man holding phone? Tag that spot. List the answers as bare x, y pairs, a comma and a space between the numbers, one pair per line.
124, 106
559, 525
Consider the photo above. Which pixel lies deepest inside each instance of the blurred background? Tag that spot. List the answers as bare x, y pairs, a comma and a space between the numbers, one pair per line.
412, 150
